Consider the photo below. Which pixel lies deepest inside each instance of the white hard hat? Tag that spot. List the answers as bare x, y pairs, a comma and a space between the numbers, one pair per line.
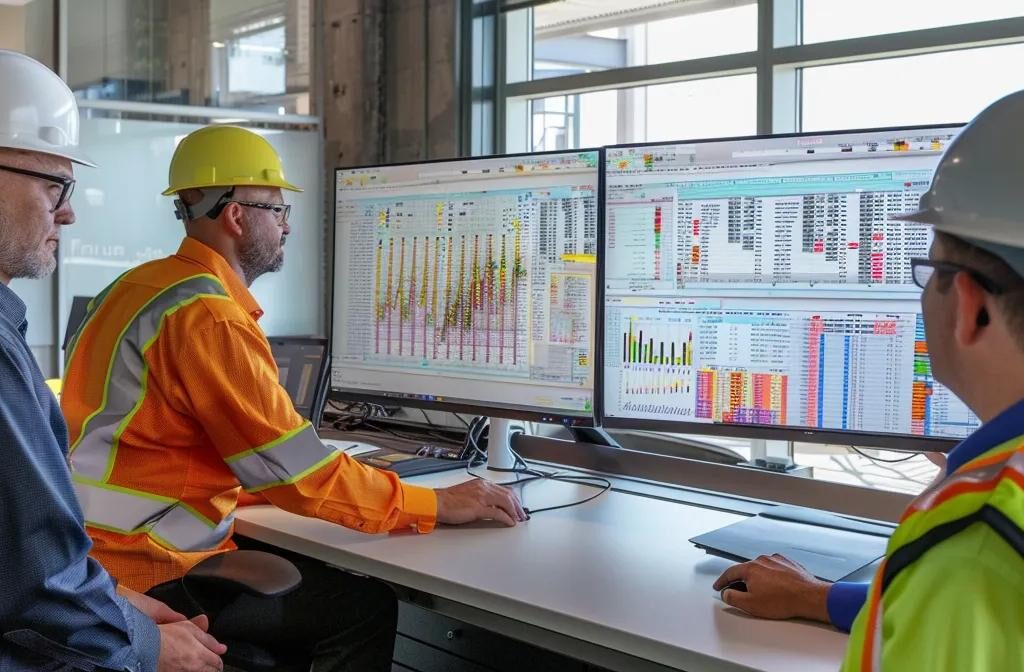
977, 192
38, 112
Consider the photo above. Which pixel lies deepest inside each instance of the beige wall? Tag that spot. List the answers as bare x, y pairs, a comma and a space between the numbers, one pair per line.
12, 28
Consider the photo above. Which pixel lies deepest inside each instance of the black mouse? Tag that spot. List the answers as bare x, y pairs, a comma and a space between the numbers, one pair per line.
735, 585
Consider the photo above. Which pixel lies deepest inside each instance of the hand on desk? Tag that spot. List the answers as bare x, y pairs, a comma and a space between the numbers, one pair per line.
777, 588
477, 500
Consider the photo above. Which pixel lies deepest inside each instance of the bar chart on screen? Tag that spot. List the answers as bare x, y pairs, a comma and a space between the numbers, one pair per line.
489, 283
657, 364
450, 283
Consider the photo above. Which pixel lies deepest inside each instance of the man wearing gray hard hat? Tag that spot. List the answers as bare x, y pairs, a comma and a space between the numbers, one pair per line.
950, 591
59, 609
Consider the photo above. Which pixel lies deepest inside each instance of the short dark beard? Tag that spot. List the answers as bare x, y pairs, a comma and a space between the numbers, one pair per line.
257, 256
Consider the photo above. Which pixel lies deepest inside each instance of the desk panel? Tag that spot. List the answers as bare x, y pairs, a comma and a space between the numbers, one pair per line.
617, 572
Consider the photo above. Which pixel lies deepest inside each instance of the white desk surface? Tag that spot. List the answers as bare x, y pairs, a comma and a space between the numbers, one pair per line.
617, 572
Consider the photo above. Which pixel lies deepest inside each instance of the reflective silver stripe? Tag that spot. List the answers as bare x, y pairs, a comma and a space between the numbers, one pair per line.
94, 304
284, 461
167, 521
93, 454
927, 499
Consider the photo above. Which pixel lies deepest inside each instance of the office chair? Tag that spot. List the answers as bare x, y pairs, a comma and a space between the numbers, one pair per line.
220, 579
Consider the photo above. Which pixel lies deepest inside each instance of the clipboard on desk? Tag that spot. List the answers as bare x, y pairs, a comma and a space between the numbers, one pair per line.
829, 546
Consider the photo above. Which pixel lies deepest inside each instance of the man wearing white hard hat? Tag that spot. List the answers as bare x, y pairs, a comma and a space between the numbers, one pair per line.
950, 592
59, 609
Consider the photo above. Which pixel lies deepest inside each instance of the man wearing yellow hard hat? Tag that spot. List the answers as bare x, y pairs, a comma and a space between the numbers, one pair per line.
174, 406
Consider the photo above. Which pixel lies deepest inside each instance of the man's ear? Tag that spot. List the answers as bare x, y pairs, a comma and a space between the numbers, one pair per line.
973, 313
233, 220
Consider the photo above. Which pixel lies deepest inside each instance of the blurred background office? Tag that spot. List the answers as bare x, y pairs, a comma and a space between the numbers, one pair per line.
365, 82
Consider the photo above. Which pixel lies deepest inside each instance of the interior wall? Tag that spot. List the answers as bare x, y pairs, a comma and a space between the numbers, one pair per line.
12, 28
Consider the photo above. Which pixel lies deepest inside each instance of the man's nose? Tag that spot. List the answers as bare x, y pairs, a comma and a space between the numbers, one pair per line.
65, 216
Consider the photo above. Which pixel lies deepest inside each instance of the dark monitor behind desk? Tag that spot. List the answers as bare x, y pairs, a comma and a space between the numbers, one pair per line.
79, 309
302, 370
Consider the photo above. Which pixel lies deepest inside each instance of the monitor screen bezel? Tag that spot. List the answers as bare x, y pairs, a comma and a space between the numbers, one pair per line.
388, 398
902, 442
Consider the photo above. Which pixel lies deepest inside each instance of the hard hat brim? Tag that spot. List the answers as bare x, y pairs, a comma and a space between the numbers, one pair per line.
28, 144
287, 186
922, 216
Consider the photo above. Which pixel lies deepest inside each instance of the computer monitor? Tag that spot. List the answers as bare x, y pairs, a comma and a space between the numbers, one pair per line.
759, 287
469, 285
302, 370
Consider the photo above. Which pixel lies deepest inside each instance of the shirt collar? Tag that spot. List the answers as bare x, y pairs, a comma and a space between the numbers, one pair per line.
13, 309
198, 253
1000, 429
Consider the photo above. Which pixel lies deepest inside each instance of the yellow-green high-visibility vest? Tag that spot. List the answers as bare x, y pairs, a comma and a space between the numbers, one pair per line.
984, 496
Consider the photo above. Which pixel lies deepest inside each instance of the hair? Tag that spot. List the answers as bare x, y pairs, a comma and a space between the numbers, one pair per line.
1010, 301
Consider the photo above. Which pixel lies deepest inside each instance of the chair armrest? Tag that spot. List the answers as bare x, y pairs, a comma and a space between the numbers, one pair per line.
256, 572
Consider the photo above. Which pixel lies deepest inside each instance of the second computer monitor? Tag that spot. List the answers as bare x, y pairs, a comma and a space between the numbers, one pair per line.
469, 284
761, 287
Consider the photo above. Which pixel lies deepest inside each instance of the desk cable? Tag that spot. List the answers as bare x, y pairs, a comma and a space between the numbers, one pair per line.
526, 474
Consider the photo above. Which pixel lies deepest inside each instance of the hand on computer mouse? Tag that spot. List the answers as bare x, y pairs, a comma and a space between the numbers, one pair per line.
776, 588
478, 500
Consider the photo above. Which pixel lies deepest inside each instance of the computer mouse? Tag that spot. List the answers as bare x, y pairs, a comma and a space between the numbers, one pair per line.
736, 585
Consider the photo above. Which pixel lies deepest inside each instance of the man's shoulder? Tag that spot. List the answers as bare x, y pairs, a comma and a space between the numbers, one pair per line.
14, 354
975, 561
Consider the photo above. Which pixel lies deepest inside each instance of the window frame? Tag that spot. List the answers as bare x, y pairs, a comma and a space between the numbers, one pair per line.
777, 62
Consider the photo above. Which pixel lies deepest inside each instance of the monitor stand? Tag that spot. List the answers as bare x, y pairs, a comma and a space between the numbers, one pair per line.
499, 445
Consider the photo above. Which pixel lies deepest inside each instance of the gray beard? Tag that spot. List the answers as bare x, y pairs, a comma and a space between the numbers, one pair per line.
21, 263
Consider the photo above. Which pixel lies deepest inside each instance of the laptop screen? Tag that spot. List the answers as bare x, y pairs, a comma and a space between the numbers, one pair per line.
301, 369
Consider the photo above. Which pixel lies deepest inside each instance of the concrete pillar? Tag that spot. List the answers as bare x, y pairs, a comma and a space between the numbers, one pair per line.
188, 49
389, 81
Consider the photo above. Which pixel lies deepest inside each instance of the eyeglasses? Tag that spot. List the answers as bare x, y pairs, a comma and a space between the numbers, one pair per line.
923, 270
281, 210
67, 184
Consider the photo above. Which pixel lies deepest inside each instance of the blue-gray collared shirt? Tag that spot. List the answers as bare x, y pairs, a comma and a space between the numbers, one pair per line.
58, 606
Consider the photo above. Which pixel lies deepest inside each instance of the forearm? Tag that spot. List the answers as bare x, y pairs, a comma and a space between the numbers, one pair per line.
348, 493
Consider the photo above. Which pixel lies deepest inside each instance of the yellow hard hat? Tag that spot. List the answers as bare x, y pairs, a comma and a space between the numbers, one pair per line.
225, 156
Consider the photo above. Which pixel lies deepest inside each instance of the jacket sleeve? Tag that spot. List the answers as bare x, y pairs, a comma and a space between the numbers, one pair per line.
845, 599
230, 377
56, 603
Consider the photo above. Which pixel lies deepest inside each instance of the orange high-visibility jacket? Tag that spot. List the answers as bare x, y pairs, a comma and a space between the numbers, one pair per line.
172, 399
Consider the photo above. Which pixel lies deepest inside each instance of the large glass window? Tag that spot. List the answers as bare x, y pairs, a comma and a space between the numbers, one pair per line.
706, 108
951, 86
224, 53
572, 37
826, 20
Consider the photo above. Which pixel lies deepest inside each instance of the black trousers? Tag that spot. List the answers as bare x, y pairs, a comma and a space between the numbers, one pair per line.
345, 623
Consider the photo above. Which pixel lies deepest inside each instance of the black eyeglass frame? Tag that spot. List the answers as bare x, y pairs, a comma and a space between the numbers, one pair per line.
67, 183
988, 284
